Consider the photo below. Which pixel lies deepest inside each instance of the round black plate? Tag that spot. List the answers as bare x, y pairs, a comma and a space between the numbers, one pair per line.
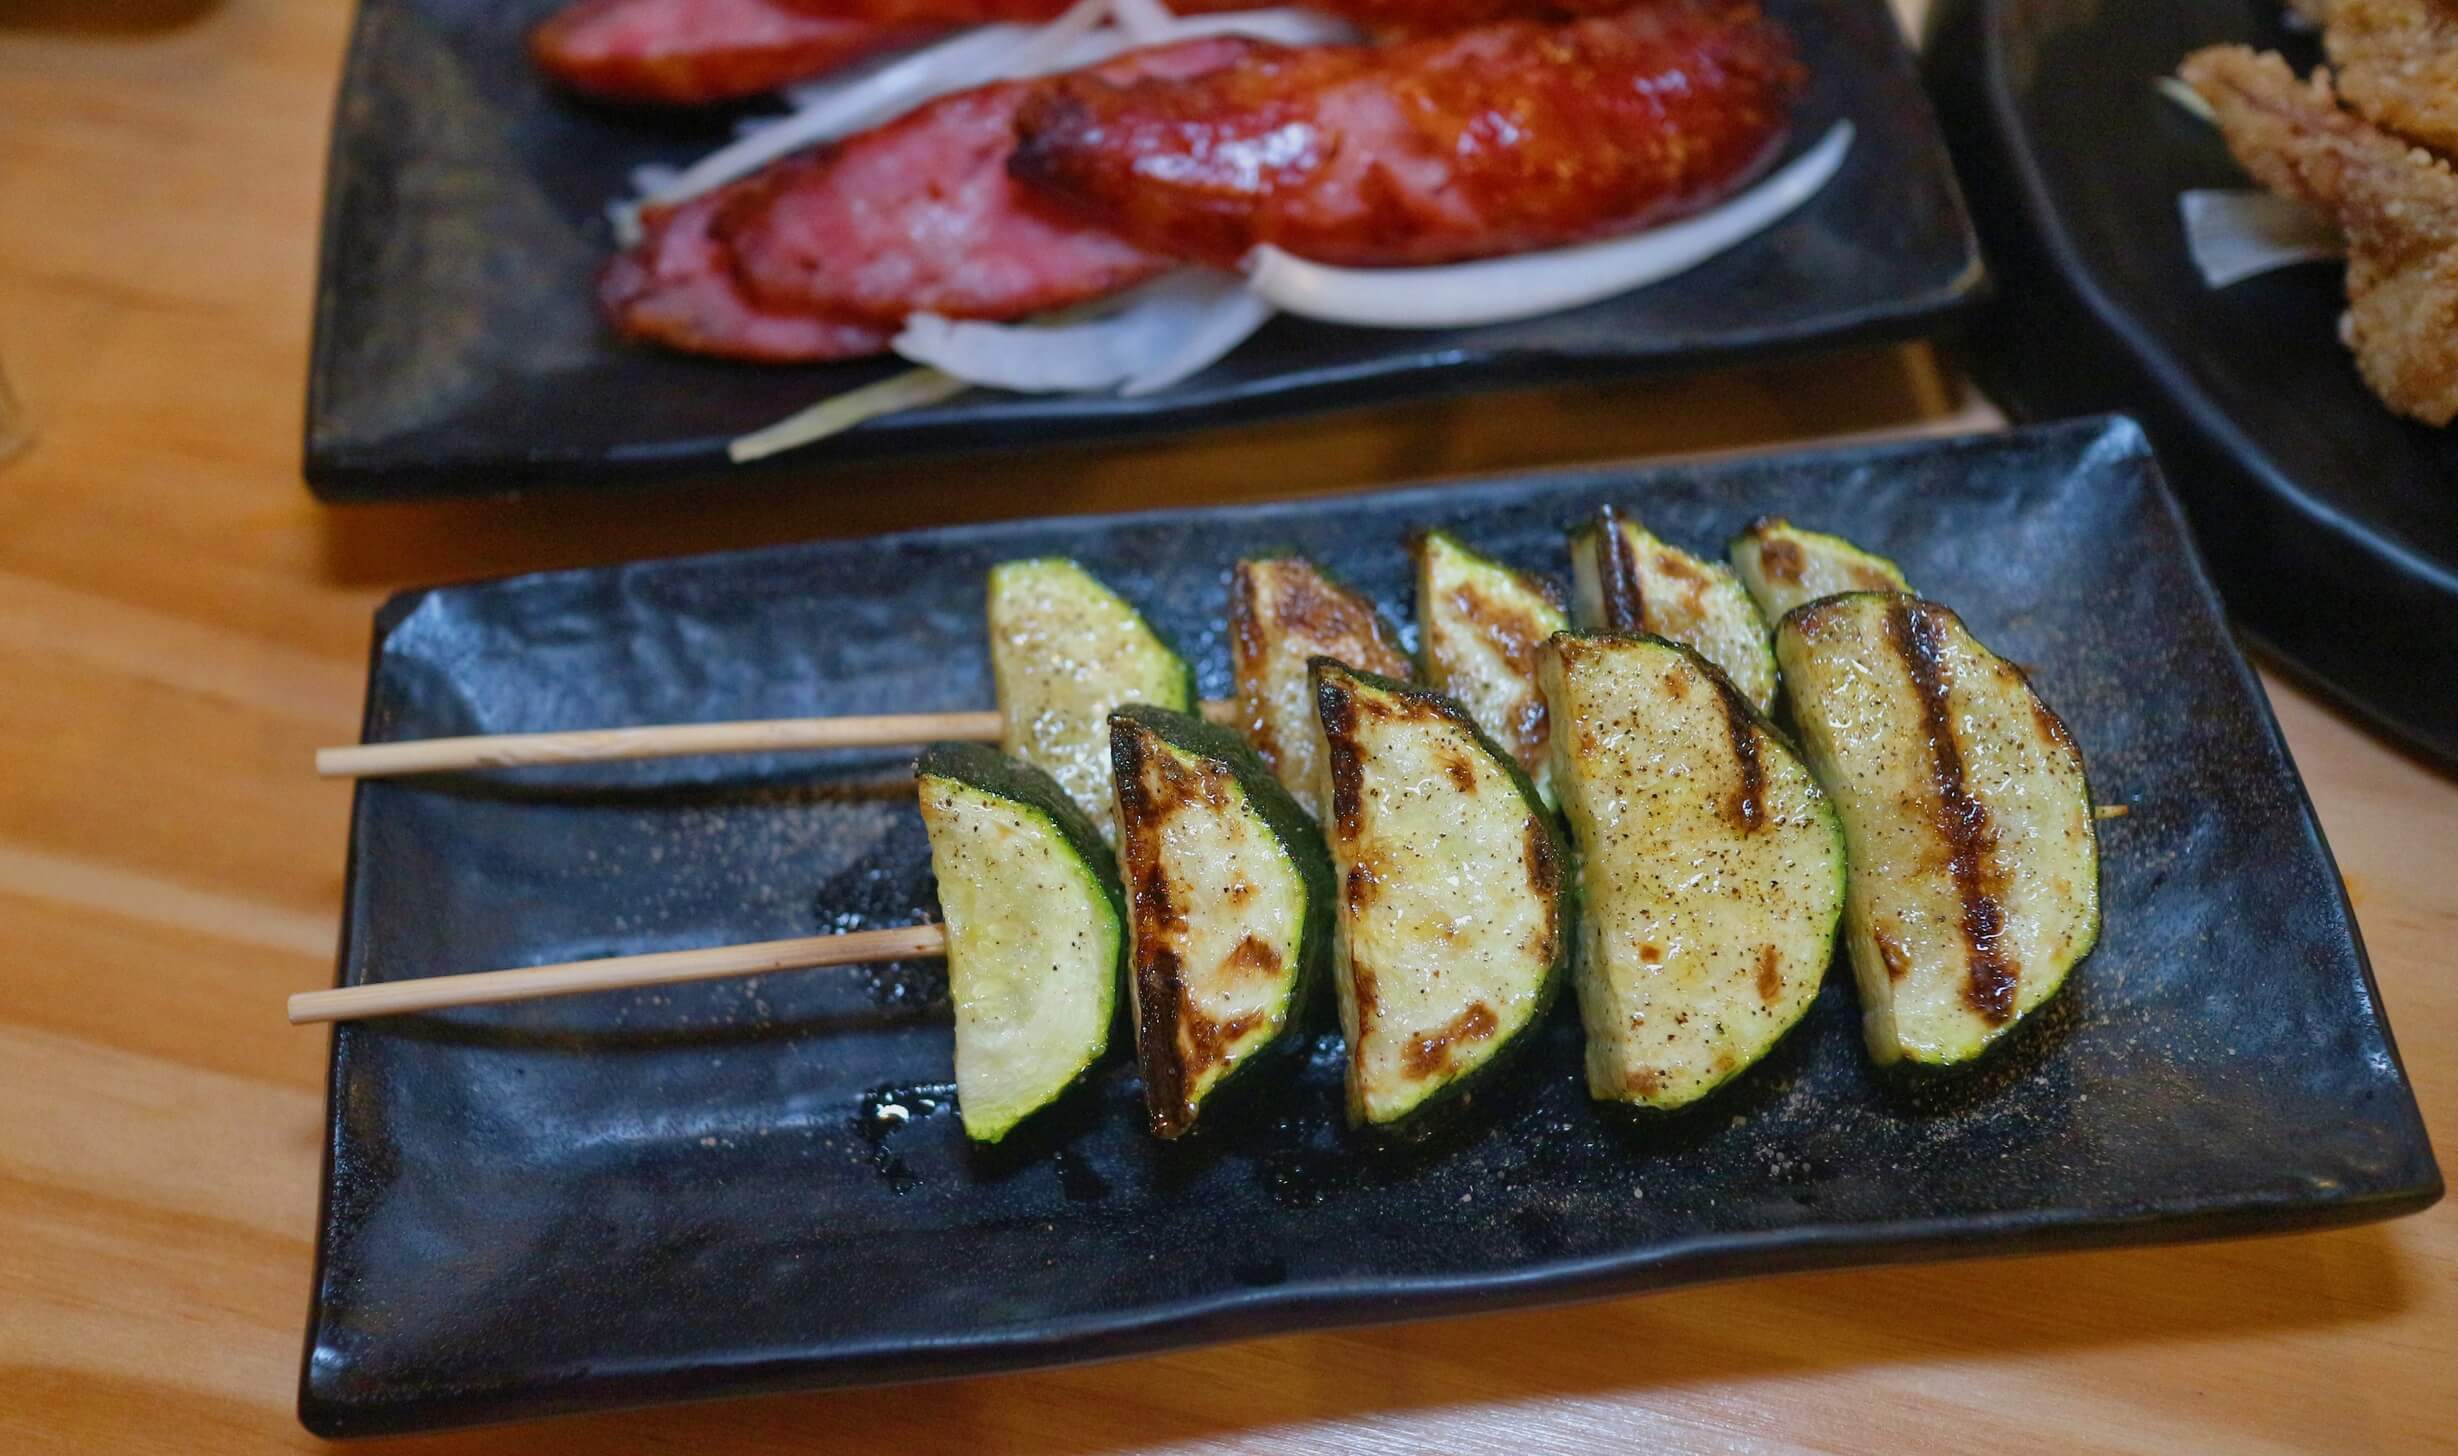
2331, 524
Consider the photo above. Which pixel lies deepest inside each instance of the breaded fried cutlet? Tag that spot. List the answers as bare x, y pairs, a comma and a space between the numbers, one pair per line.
2397, 63
2396, 202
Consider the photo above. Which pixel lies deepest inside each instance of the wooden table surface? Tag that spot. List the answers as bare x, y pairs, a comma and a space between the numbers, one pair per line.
180, 625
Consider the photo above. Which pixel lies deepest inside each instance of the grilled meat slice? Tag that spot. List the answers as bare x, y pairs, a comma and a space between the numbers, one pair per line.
920, 214
1496, 139
677, 287
694, 52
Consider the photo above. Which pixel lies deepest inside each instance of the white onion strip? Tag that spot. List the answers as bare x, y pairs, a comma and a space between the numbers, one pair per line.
841, 412
2236, 235
1501, 290
983, 54
1162, 331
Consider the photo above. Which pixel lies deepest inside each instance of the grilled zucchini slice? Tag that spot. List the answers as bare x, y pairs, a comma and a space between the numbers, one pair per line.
1454, 911
1975, 860
1283, 613
1784, 566
1229, 920
1479, 625
1064, 651
1712, 868
1036, 931
1625, 580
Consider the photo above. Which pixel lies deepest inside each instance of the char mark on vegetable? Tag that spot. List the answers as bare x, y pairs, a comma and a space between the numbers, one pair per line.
1961, 820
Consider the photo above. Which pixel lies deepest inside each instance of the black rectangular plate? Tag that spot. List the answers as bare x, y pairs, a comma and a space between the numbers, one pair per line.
635, 1197
458, 349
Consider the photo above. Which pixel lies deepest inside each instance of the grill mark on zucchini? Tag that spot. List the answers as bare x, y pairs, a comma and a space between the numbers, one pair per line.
1347, 772
1428, 1054
1516, 637
1961, 820
1246, 631
1748, 811
1617, 570
1770, 974
1781, 560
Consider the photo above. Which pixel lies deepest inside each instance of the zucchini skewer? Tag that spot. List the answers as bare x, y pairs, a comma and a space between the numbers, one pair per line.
1064, 648
1712, 867
1974, 853
1064, 651
1284, 612
1036, 931
1229, 909
1454, 912
1784, 566
1625, 580
1479, 627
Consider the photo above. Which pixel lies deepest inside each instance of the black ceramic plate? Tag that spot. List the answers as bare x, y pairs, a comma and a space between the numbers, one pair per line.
458, 350
2331, 524
698, 1191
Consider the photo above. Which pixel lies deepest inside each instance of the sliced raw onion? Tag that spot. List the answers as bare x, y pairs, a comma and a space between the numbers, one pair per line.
841, 412
842, 105
1500, 290
2186, 99
986, 53
1148, 22
1150, 337
2235, 235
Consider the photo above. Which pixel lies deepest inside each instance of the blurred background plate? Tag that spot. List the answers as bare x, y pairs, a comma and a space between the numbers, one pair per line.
2330, 523
459, 350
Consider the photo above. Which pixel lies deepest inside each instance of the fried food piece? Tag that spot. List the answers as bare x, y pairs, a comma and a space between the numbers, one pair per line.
2397, 63
1495, 139
694, 52
2397, 204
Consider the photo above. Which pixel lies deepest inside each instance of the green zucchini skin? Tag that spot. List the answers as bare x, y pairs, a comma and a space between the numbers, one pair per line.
1037, 799
1065, 649
1344, 693
1712, 868
1231, 779
1480, 625
1974, 852
1785, 566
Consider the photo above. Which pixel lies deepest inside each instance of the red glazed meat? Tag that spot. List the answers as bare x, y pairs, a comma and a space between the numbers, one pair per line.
1414, 16
1495, 139
692, 52
678, 288
920, 215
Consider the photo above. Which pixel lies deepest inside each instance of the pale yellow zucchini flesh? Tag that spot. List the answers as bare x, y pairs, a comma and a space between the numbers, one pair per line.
1452, 896
1479, 627
1064, 651
1625, 580
1228, 905
1712, 868
1283, 613
1974, 857
1784, 566
1035, 937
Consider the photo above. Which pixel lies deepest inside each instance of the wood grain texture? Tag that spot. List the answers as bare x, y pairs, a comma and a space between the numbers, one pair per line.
180, 626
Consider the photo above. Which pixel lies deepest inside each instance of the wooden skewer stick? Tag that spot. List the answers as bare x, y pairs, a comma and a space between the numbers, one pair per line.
670, 740
664, 968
